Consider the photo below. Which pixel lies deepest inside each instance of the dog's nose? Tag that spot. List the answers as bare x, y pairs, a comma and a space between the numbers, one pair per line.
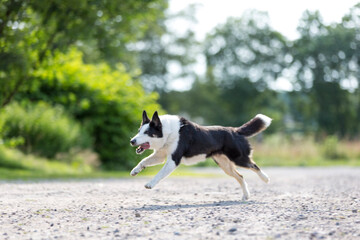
133, 142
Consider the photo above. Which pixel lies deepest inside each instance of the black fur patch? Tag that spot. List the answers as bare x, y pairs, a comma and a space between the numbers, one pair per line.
154, 131
145, 119
252, 127
195, 140
155, 126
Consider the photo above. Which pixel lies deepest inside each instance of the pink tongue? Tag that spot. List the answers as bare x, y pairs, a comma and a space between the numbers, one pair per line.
145, 146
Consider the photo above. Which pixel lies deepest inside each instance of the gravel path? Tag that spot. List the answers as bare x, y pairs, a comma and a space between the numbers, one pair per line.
299, 203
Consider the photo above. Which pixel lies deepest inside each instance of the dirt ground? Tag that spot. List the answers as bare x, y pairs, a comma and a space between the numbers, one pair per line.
298, 203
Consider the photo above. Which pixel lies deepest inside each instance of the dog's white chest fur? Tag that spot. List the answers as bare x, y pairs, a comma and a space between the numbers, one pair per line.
193, 160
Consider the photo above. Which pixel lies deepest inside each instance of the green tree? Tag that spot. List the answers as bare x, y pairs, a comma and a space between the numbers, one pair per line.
164, 49
327, 69
244, 58
31, 31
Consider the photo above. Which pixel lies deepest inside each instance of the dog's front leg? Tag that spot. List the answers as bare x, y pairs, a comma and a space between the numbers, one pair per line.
157, 157
169, 166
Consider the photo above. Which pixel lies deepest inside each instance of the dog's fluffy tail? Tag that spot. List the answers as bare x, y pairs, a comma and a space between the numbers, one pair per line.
256, 125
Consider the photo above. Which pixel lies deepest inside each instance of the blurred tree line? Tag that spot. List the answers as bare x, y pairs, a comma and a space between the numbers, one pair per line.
247, 63
89, 68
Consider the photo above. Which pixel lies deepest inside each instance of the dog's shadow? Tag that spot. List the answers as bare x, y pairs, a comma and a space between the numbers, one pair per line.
200, 205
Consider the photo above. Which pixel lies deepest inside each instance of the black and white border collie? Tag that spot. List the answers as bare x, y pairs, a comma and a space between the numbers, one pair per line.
178, 140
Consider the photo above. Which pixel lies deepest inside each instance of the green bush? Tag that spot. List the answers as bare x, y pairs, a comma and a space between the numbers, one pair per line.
45, 130
8, 142
16, 165
2, 121
107, 101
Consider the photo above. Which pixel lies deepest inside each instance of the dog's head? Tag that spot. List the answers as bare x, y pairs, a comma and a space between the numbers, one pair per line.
150, 134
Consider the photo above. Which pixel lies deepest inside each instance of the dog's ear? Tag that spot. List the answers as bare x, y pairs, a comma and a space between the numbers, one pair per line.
145, 118
156, 120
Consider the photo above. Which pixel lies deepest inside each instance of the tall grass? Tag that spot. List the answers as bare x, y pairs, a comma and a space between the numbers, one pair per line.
279, 150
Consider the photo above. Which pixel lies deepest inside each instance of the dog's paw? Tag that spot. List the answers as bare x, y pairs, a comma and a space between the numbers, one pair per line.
245, 197
149, 186
264, 177
267, 180
135, 171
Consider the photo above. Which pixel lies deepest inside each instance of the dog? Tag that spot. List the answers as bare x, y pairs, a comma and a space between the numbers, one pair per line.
178, 140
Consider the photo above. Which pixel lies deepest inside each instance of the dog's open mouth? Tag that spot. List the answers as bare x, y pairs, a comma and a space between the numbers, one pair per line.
142, 148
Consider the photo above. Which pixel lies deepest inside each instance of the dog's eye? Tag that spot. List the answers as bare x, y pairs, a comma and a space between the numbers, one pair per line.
150, 134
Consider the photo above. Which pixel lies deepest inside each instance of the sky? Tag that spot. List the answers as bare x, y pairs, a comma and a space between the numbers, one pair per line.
284, 17
284, 14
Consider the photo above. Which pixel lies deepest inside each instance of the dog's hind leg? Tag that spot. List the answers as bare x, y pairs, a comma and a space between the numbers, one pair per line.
261, 174
230, 169
155, 158
252, 165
